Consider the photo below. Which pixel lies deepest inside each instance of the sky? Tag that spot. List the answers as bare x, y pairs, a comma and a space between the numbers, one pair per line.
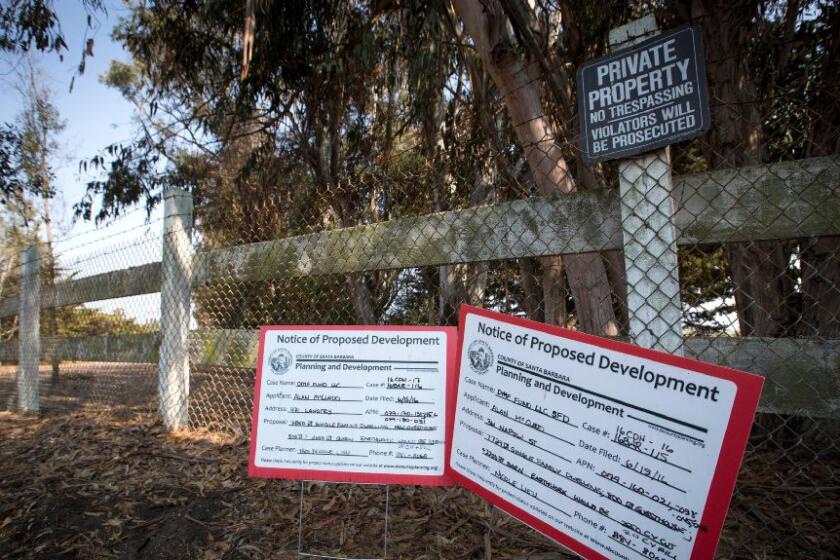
95, 116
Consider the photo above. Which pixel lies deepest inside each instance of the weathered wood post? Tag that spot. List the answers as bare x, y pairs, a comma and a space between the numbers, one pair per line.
650, 236
176, 271
29, 327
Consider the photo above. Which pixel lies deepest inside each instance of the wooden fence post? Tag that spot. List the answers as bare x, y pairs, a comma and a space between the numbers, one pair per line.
29, 326
650, 236
176, 277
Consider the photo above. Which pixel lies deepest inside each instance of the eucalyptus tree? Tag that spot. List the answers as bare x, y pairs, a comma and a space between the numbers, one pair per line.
520, 81
323, 102
343, 96
287, 118
40, 124
771, 67
821, 256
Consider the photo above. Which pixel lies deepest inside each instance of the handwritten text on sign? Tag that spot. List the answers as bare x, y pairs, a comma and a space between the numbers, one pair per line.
611, 452
355, 404
644, 97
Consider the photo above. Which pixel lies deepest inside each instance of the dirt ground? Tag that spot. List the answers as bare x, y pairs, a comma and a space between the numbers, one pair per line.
86, 484
99, 480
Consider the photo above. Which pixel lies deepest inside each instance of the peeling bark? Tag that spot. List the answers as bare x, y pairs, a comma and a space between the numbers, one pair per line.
486, 23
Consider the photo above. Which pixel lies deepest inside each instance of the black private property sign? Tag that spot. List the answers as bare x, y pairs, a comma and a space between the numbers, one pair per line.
644, 97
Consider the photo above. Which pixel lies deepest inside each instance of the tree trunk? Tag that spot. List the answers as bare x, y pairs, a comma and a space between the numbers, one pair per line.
554, 292
483, 192
532, 36
466, 283
820, 257
52, 325
43, 130
451, 293
324, 162
361, 298
618, 284
477, 282
820, 261
759, 268
487, 24
533, 292
458, 283
509, 171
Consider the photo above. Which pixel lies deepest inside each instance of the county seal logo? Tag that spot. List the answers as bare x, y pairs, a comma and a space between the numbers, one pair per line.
280, 361
481, 356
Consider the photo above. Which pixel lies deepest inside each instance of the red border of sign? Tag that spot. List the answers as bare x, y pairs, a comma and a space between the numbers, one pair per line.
731, 452
343, 476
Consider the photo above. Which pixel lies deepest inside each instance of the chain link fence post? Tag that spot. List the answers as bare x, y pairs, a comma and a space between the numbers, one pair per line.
650, 237
176, 270
29, 340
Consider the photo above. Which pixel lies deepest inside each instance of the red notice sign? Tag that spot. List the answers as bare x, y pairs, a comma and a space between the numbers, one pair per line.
363, 404
612, 450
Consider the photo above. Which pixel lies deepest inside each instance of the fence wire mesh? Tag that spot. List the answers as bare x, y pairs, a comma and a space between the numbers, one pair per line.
488, 202
100, 354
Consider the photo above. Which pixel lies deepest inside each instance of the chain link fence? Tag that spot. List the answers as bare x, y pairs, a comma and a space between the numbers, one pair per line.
84, 346
497, 209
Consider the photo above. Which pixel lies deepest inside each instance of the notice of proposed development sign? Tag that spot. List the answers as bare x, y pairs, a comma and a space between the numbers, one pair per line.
643, 97
613, 450
353, 404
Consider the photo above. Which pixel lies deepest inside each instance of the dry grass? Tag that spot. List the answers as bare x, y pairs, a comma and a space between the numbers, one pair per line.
92, 485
